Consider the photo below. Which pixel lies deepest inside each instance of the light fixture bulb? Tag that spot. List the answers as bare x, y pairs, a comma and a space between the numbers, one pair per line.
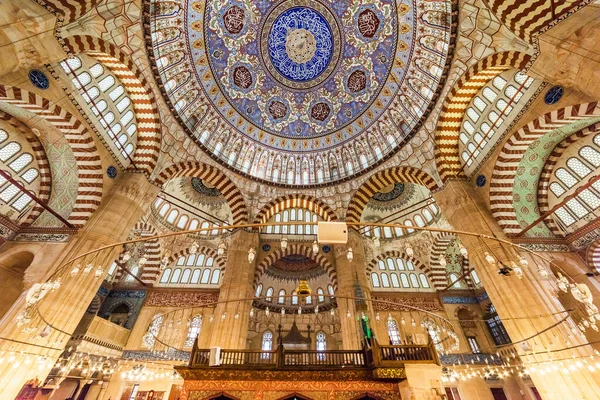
443, 262
211, 318
299, 310
350, 254
332, 312
542, 271
88, 268
463, 250
194, 248
126, 256
389, 318
489, 258
284, 243
142, 261
409, 251
98, 273
251, 255
282, 311
75, 270
315, 247
316, 309
377, 317
251, 312
267, 312
348, 314
221, 249
523, 261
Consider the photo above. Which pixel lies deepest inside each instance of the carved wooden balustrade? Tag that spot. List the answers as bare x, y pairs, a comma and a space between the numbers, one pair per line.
370, 357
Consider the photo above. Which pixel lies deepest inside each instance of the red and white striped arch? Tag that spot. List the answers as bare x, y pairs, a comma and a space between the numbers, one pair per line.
295, 201
503, 177
89, 167
320, 259
139, 90
382, 179
211, 174
456, 104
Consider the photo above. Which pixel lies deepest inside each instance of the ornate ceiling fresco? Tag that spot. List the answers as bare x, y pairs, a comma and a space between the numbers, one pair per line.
295, 266
301, 92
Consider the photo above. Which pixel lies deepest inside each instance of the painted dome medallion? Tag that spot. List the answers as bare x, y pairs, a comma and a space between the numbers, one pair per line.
300, 92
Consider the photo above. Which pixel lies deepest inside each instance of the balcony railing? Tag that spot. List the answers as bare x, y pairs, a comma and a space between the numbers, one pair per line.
371, 356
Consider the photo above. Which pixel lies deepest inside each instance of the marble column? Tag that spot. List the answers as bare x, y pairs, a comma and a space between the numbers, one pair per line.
348, 274
232, 332
526, 306
34, 353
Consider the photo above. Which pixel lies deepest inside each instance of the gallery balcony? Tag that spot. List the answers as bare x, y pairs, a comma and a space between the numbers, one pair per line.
371, 362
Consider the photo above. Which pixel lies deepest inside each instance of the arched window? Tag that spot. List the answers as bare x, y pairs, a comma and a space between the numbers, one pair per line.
385, 282
375, 279
193, 331
424, 281
186, 275
281, 299
107, 100
419, 220
414, 281
269, 294
214, 280
404, 280
13, 158
267, 342
330, 290
321, 342
176, 275
321, 296
294, 298
205, 276
258, 292
165, 276
196, 276
153, 330
395, 281
134, 272
475, 278
393, 332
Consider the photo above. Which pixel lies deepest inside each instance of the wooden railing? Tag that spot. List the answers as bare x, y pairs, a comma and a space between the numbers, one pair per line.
320, 359
371, 356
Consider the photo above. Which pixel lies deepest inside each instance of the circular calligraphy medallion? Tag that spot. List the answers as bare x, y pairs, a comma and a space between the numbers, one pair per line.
300, 45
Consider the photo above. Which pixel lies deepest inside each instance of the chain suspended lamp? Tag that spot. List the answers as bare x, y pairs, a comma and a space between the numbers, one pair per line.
251, 255
315, 247
303, 290
350, 254
221, 249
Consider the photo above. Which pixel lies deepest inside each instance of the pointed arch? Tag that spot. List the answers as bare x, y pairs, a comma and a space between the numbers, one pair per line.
464, 90
89, 191
382, 179
296, 249
140, 91
152, 253
505, 170
227, 188
295, 201
529, 18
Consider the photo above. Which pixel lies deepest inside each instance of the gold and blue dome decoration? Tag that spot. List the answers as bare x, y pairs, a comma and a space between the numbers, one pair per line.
300, 92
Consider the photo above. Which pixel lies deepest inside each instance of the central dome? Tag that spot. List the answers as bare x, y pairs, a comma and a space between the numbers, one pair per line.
300, 92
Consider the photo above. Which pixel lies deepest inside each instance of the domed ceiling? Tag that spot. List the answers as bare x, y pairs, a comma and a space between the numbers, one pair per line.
300, 92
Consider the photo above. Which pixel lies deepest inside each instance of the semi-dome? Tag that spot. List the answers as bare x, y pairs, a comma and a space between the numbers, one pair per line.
301, 92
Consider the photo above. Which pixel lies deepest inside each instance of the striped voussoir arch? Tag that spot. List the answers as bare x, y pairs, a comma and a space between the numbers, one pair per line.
211, 174
593, 256
296, 249
453, 110
419, 266
42, 164
440, 245
546, 174
139, 90
382, 179
527, 18
295, 201
210, 252
69, 10
151, 269
438, 250
89, 166
503, 177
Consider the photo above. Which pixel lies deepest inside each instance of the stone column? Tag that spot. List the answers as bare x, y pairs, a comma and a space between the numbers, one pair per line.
64, 308
347, 274
232, 332
525, 305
